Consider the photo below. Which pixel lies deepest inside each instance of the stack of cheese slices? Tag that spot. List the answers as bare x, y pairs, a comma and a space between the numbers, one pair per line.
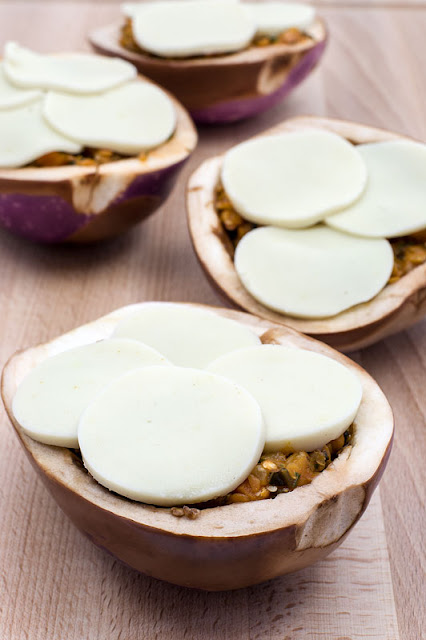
177, 406
70, 101
210, 27
325, 209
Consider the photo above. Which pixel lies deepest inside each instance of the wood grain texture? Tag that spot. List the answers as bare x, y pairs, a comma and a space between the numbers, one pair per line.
89, 595
56, 585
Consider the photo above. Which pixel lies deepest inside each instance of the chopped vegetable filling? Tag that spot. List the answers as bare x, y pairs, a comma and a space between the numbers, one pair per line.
289, 36
234, 224
88, 158
409, 252
279, 473
275, 473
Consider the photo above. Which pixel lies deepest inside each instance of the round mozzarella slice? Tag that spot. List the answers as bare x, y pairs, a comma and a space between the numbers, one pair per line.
25, 136
168, 435
312, 273
293, 179
394, 202
129, 119
187, 336
76, 72
272, 18
192, 27
129, 9
50, 400
306, 398
12, 96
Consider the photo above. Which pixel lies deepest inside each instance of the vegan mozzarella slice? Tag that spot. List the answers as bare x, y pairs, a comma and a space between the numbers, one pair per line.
272, 18
129, 119
12, 96
25, 136
192, 27
187, 336
75, 72
394, 202
312, 273
50, 400
293, 179
171, 435
306, 398
129, 9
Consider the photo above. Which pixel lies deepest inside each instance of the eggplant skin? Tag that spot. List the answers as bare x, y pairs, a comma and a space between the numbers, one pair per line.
230, 87
53, 218
225, 547
80, 204
398, 306
236, 108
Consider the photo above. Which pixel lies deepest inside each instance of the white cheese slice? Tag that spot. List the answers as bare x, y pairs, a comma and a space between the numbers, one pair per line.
394, 202
74, 72
25, 136
306, 398
12, 96
293, 179
170, 435
312, 273
50, 400
192, 27
272, 18
187, 336
129, 9
129, 119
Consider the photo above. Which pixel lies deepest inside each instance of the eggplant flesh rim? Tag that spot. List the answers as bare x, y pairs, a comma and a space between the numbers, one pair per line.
108, 38
209, 241
95, 187
346, 484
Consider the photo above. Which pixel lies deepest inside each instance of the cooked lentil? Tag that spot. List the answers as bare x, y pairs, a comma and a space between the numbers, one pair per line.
88, 157
409, 251
278, 473
234, 224
289, 36
275, 473
185, 512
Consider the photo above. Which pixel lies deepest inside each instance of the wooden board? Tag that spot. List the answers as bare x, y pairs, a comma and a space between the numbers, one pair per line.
91, 596
54, 585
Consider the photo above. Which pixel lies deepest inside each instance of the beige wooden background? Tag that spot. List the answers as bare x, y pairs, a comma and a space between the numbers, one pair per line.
53, 583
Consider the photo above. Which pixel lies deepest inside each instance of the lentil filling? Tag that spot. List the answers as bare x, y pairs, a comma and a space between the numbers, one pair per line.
290, 36
278, 472
89, 157
275, 473
409, 251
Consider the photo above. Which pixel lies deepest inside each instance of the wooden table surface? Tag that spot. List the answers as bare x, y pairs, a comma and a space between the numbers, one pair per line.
53, 583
